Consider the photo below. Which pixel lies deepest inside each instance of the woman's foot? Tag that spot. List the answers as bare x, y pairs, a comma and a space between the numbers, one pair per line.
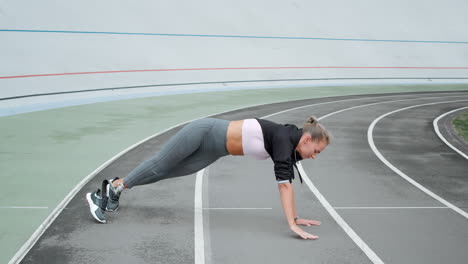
97, 203
114, 195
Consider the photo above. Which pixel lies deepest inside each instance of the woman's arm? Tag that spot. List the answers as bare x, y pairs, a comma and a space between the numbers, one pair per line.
287, 200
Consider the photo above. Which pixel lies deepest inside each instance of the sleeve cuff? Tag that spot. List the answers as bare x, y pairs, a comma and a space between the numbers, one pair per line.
285, 181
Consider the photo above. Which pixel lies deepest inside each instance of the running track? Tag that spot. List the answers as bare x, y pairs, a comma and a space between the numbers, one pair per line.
393, 220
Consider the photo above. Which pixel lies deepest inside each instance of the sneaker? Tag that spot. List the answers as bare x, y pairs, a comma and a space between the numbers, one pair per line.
113, 201
97, 203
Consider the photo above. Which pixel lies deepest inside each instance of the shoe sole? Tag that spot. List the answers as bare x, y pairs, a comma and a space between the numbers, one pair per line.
93, 208
107, 193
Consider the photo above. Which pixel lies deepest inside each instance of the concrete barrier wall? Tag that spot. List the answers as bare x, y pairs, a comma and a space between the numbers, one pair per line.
73, 46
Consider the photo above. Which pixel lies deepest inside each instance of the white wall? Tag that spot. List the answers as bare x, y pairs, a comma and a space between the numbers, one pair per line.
35, 53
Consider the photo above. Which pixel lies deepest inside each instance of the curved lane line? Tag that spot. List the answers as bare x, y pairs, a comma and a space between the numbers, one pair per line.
436, 128
21, 253
399, 172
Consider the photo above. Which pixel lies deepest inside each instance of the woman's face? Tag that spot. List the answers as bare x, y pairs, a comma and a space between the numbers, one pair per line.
309, 148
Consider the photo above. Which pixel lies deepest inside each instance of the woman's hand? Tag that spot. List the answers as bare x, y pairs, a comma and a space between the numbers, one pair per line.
306, 222
302, 233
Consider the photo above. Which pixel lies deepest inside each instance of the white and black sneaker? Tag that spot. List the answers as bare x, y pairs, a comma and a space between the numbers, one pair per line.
114, 196
97, 203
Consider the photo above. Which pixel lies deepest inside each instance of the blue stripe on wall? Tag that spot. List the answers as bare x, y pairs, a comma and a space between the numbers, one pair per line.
231, 36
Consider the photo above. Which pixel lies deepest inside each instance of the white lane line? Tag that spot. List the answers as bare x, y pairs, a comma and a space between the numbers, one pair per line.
360, 99
199, 237
358, 208
227, 208
436, 128
23, 207
386, 102
339, 220
396, 170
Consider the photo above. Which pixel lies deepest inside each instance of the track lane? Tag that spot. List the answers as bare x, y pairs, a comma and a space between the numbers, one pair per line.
419, 153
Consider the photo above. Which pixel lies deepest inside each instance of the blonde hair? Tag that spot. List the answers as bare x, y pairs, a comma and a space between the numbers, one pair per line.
316, 130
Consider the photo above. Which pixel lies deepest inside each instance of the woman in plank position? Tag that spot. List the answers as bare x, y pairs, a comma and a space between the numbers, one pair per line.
202, 142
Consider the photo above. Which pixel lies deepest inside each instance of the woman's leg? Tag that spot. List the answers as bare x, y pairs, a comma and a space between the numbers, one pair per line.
197, 161
194, 147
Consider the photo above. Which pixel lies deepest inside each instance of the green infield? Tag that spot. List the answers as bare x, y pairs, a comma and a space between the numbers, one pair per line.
461, 125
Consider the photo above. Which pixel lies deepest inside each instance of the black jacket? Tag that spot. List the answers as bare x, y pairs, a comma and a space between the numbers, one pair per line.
280, 142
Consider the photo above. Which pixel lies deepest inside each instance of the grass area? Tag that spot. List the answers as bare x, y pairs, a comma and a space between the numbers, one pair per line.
461, 125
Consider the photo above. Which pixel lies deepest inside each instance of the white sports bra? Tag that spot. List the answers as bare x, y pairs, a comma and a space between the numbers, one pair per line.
252, 140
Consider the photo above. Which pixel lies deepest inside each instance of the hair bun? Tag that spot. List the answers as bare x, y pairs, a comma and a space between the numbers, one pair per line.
312, 120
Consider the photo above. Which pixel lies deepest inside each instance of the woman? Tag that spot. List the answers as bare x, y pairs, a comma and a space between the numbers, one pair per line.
203, 141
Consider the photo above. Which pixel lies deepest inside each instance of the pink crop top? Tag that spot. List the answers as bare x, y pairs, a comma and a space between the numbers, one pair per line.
252, 140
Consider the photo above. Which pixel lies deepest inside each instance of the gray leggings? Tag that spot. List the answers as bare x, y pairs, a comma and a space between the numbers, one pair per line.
194, 147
